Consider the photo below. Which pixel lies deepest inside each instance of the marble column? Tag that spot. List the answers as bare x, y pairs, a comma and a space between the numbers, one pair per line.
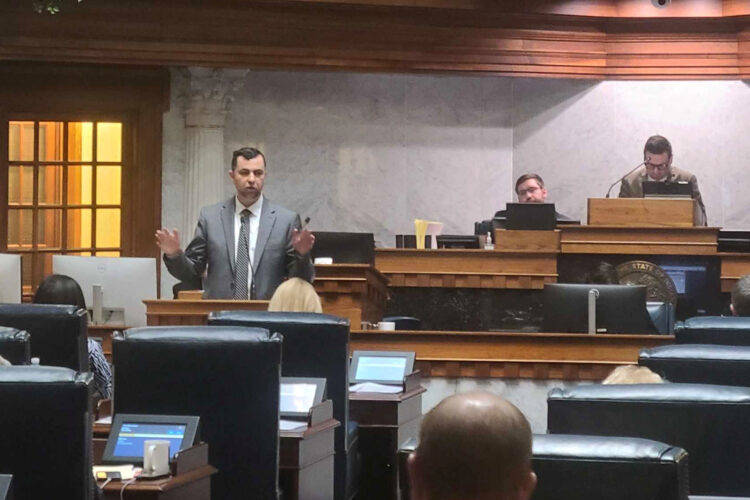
208, 94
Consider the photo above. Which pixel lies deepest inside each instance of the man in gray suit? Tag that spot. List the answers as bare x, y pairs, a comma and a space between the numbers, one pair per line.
246, 245
657, 166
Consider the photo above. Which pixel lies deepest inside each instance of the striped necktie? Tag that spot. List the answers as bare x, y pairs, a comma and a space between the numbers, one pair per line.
243, 258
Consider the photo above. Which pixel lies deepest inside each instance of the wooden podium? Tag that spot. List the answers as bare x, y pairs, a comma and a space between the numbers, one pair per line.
643, 212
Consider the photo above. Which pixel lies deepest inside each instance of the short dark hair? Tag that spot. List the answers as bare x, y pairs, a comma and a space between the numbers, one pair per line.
526, 177
248, 154
59, 289
656, 145
741, 296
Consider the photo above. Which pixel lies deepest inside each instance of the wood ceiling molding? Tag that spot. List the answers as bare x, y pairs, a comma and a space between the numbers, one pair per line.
536, 38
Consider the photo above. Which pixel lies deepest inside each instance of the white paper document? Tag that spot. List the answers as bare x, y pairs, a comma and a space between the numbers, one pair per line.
373, 387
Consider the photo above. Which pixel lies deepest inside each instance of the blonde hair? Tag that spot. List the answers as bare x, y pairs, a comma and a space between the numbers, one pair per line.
295, 295
633, 374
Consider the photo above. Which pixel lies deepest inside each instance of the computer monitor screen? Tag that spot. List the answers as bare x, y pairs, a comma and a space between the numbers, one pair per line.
535, 216
345, 248
299, 394
129, 433
385, 367
619, 309
652, 189
10, 277
686, 277
125, 282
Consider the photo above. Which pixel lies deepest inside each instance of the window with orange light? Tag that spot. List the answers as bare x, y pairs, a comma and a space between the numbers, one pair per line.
64, 192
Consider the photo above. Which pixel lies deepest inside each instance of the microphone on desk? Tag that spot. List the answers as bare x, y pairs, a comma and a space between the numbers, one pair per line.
623, 177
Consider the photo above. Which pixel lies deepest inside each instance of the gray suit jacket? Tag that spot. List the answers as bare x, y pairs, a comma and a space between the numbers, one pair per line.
212, 250
632, 187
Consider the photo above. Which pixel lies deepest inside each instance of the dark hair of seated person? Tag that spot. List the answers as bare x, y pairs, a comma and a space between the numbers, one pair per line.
59, 289
64, 290
603, 274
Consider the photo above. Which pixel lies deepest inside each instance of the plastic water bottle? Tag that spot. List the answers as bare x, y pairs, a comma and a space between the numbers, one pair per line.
488, 245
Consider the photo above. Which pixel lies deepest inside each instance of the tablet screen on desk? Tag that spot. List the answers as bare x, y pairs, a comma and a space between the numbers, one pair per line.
299, 394
385, 367
129, 433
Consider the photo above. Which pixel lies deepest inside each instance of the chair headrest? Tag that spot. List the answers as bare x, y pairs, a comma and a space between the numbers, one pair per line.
49, 374
41, 310
604, 448
188, 334
697, 352
266, 317
715, 323
650, 393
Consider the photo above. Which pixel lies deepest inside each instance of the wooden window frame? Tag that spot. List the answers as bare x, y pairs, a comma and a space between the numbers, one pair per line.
137, 97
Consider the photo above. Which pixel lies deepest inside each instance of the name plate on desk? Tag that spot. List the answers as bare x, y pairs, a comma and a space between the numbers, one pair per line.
642, 212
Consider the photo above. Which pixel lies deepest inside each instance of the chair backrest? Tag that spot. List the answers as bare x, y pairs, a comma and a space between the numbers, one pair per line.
58, 333
708, 421
570, 467
315, 345
700, 363
15, 346
228, 376
45, 440
662, 315
725, 330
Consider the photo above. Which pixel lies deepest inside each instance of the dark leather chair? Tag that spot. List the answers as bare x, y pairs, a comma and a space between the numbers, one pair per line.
15, 346
573, 467
58, 333
227, 376
662, 315
725, 330
6, 487
315, 345
708, 421
46, 439
700, 363
405, 322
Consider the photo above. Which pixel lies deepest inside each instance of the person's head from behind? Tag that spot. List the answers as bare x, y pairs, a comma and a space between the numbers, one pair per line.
741, 297
295, 295
59, 289
603, 274
657, 156
248, 174
473, 446
530, 189
632, 374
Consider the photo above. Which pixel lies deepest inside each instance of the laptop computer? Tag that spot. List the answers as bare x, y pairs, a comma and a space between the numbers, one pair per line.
530, 216
654, 189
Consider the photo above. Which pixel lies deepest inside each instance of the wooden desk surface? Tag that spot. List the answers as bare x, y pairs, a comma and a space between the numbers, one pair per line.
565, 356
152, 488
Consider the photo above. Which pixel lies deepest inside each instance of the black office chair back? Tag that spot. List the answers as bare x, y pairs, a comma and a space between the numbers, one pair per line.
708, 421
15, 346
58, 333
45, 419
229, 377
315, 345
700, 363
724, 330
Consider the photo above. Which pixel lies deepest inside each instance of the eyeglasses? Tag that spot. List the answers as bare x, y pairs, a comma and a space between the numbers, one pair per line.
662, 166
530, 190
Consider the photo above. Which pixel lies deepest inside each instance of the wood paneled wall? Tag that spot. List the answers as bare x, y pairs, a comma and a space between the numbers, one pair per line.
690, 39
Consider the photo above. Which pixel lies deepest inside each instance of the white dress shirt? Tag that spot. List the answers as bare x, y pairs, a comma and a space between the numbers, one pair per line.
252, 234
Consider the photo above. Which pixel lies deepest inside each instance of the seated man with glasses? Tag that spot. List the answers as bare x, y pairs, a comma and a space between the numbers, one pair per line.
530, 189
657, 166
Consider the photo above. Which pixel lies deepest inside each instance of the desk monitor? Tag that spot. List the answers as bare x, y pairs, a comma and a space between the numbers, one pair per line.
652, 189
10, 277
382, 367
125, 282
535, 216
299, 394
619, 309
345, 248
129, 432
6, 487
457, 241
